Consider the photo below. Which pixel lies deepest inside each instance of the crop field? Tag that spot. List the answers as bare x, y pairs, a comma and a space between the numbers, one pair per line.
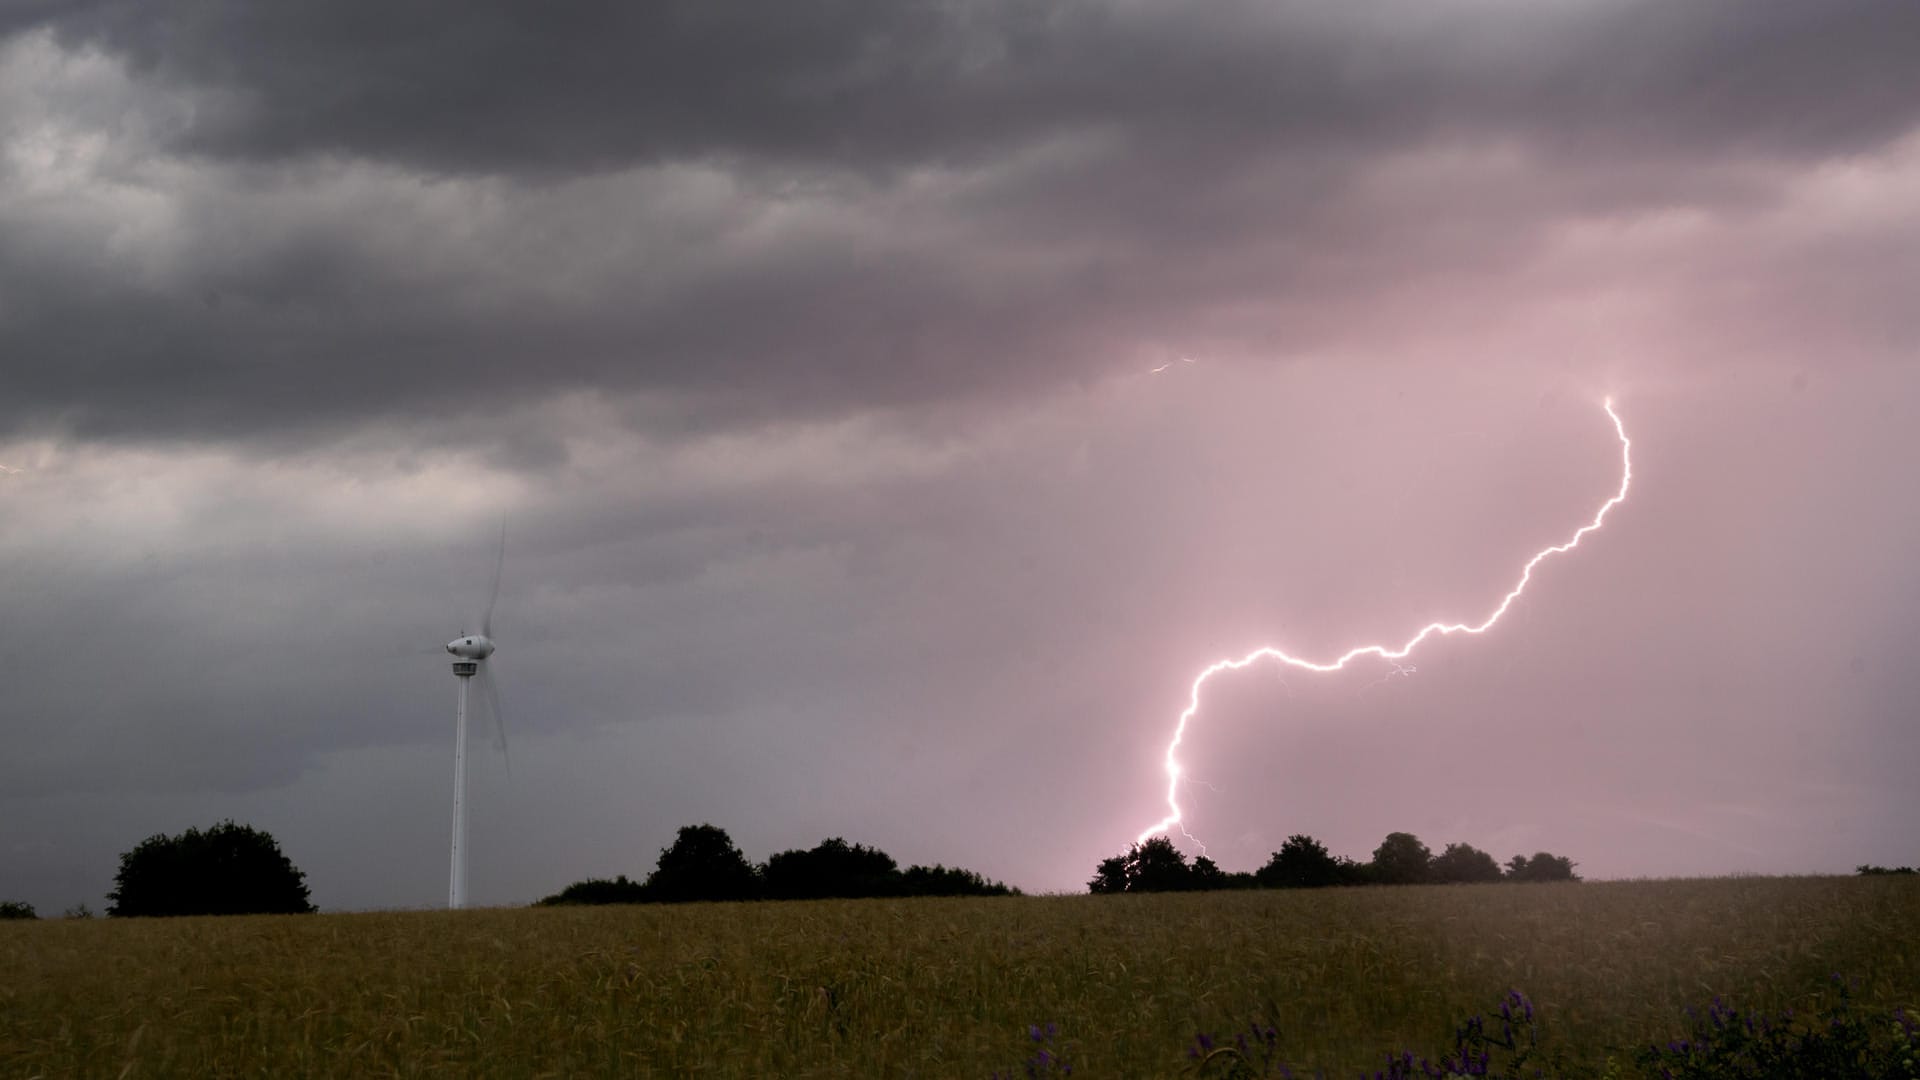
932, 987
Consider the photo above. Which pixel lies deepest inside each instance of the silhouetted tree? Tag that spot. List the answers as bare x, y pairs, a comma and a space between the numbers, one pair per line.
1870, 870
1158, 866
1304, 863
599, 891
950, 881
834, 868
702, 864
228, 870
1401, 859
1155, 866
17, 909
1541, 867
1206, 874
1464, 864
1110, 876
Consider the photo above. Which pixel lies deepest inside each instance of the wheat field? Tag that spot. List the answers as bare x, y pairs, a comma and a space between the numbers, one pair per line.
929, 987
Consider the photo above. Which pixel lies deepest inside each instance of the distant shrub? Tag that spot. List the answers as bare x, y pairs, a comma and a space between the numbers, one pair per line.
832, 869
704, 864
598, 891
1155, 866
15, 909
1304, 863
1401, 859
1543, 866
940, 880
1207, 876
1871, 870
227, 870
1464, 864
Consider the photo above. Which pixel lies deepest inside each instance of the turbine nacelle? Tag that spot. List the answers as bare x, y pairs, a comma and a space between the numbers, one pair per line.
471, 647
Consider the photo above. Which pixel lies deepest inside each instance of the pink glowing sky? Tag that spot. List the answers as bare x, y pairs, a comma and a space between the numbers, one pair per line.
811, 360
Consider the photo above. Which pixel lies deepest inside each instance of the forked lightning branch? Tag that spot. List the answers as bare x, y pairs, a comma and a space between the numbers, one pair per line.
1389, 653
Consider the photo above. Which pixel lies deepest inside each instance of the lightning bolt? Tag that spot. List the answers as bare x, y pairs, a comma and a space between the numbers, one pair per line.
1391, 655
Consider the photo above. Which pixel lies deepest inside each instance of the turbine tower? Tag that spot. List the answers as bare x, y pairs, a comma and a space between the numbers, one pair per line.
470, 652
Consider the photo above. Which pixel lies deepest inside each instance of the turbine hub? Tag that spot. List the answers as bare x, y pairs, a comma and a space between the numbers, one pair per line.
471, 647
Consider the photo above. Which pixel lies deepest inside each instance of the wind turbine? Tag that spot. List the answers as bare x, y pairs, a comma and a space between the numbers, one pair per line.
470, 652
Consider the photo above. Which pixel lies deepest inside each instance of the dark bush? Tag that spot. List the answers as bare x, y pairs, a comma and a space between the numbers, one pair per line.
833, 868
1401, 859
1541, 867
1155, 866
227, 870
1464, 864
1303, 863
598, 891
950, 881
702, 864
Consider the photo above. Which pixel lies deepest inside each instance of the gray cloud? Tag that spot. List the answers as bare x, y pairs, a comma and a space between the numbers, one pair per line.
863, 83
281, 223
808, 357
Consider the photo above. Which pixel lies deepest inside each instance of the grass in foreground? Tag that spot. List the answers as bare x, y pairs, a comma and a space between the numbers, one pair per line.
932, 987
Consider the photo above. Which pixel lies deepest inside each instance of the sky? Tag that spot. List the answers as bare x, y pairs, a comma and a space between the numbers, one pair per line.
892, 405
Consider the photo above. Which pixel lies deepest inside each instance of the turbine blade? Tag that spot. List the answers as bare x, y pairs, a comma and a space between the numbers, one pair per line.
499, 560
499, 718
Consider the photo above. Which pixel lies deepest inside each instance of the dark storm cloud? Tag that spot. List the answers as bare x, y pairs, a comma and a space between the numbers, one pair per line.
371, 213
297, 341
495, 86
807, 350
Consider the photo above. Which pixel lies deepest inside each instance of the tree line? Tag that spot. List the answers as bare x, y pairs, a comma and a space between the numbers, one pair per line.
702, 863
1304, 863
232, 869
